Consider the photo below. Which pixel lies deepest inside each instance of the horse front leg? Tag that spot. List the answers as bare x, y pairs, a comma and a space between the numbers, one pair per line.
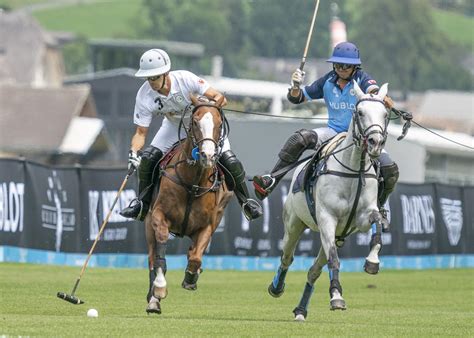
301, 311
195, 253
372, 261
157, 236
293, 230
328, 240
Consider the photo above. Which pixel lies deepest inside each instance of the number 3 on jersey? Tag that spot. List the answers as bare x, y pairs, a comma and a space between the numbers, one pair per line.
160, 103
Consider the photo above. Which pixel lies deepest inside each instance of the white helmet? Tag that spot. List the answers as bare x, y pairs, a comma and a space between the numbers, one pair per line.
154, 62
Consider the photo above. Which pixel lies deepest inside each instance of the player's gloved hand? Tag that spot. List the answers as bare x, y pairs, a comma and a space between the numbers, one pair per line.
297, 78
133, 160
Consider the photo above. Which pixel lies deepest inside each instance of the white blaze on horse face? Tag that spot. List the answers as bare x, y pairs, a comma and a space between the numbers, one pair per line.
206, 124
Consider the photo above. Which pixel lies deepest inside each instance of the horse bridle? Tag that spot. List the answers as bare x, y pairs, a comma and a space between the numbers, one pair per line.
361, 136
224, 131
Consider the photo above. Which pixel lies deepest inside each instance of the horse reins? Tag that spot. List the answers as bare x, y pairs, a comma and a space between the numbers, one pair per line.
195, 191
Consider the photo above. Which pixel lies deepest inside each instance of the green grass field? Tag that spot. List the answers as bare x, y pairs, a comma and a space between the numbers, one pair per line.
233, 303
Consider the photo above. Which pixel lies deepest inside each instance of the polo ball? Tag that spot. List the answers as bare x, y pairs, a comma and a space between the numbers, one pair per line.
92, 313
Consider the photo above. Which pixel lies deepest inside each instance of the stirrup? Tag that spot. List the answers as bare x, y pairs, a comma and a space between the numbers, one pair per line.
251, 209
263, 185
136, 210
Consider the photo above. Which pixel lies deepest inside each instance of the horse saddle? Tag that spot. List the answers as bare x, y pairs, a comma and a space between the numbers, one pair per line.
314, 168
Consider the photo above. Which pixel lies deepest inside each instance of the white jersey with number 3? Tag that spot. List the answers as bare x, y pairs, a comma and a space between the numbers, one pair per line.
149, 102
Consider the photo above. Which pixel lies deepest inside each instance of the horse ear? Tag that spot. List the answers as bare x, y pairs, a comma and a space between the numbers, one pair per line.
358, 91
383, 91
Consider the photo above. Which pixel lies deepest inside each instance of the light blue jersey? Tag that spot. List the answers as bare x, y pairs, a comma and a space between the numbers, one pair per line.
340, 103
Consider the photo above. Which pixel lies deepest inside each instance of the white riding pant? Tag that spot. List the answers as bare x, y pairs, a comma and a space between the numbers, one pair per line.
325, 133
167, 135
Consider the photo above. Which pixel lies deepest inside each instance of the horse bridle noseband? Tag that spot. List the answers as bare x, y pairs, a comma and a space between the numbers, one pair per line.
361, 135
224, 131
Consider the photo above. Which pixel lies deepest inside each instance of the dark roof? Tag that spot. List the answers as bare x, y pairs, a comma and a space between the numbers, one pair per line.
172, 47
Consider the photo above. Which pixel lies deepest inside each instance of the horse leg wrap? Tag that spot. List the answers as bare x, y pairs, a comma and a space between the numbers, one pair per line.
152, 276
160, 254
190, 278
277, 287
335, 285
376, 239
302, 307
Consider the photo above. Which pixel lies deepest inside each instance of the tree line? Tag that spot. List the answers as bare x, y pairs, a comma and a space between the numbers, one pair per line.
398, 40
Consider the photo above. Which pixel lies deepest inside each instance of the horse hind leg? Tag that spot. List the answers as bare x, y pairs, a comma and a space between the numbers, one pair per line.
372, 262
301, 310
191, 276
293, 230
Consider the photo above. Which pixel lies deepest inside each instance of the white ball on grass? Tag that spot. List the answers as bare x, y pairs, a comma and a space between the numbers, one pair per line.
92, 313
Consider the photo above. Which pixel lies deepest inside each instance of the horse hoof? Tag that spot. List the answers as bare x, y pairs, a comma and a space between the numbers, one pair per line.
300, 314
153, 307
160, 293
275, 292
371, 268
299, 318
190, 287
338, 304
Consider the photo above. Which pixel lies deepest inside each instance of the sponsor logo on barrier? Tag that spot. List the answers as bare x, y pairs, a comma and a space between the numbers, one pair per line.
418, 214
12, 206
452, 217
55, 215
100, 203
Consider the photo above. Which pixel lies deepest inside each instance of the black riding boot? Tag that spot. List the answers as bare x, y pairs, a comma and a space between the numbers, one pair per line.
139, 206
290, 153
235, 179
387, 185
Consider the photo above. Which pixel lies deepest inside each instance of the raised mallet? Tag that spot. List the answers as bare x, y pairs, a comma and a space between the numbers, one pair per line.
72, 298
310, 33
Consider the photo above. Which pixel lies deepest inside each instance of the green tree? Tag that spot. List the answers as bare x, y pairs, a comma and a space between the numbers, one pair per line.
400, 44
280, 28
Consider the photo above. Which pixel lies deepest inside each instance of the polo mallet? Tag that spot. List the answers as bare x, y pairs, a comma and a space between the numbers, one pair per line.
72, 298
308, 40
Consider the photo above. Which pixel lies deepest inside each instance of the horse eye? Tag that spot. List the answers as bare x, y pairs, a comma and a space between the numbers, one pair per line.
359, 112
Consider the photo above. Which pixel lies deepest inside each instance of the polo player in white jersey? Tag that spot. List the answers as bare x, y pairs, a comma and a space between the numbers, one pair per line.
168, 93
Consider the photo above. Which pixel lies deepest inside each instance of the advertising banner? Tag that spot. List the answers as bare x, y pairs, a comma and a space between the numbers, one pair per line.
62, 209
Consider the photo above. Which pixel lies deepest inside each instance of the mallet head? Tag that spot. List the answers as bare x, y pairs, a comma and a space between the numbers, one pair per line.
69, 298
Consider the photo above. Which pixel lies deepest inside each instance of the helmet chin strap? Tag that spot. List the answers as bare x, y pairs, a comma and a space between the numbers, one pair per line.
164, 81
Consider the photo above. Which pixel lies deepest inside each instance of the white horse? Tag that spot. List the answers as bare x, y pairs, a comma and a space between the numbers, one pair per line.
345, 196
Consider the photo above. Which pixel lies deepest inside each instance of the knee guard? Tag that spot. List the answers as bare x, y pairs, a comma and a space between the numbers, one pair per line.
150, 157
233, 167
297, 143
146, 177
390, 175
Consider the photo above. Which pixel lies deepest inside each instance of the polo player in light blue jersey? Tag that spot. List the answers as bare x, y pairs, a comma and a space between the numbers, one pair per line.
337, 89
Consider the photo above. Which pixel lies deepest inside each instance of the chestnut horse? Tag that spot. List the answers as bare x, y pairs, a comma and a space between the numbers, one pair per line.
191, 198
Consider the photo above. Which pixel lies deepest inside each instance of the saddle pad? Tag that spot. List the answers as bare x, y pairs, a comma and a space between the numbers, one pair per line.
329, 147
169, 155
299, 184
310, 168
